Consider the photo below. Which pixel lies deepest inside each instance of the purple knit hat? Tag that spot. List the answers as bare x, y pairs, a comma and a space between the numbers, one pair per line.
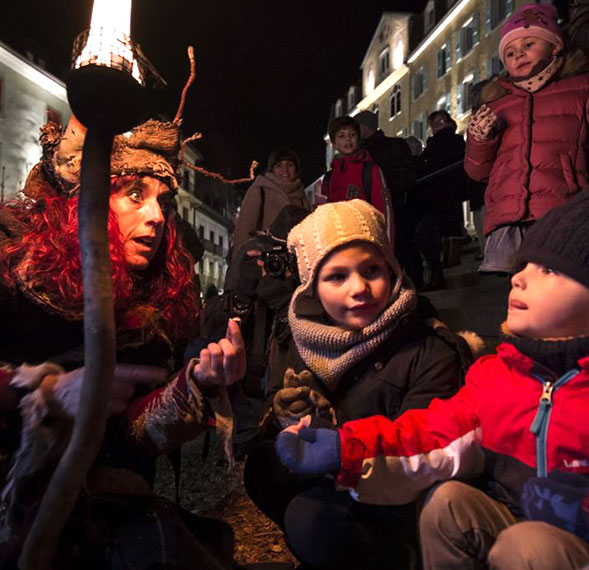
537, 20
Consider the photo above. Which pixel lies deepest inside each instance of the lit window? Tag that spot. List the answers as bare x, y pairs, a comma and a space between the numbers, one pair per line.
467, 36
497, 11
384, 64
352, 98
444, 60
463, 93
419, 80
396, 101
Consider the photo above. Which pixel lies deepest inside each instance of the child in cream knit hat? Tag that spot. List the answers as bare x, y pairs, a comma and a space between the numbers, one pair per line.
360, 347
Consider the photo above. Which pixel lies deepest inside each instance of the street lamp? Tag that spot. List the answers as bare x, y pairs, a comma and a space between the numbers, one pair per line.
106, 95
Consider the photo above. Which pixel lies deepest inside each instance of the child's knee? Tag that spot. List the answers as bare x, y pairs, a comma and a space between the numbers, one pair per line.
442, 505
537, 545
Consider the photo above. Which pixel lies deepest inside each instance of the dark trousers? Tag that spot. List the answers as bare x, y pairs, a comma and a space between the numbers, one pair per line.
326, 528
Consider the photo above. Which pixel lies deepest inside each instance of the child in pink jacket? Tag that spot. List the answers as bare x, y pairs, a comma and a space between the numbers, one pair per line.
530, 138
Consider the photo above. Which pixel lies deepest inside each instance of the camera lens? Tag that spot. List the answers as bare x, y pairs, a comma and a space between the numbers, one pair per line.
275, 265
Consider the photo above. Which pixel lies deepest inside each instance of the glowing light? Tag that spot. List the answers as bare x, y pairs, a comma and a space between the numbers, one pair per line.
398, 55
370, 82
109, 38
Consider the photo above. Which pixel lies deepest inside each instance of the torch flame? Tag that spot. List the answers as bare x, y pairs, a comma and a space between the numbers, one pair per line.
109, 38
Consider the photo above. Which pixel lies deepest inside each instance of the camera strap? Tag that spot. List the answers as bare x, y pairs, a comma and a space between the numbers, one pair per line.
260, 221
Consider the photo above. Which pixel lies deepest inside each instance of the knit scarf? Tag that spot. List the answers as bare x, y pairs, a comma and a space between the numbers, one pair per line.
294, 190
538, 79
330, 351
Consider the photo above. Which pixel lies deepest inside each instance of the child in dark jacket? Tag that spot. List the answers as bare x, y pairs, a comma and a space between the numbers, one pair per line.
517, 425
354, 174
362, 348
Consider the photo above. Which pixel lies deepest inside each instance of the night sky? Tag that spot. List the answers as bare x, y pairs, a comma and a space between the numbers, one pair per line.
267, 70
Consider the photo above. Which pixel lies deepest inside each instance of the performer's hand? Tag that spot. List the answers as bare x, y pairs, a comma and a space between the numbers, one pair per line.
482, 124
311, 451
63, 390
222, 363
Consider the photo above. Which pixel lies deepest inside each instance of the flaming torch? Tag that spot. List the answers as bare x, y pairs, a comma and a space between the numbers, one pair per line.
106, 95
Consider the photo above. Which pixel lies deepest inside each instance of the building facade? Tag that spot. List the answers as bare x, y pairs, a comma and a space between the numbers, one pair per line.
29, 97
417, 63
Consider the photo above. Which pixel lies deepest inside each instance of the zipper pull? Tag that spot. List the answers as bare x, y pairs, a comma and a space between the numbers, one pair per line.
543, 407
546, 397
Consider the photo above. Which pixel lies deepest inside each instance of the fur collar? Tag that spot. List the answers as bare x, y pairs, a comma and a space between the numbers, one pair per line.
575, 63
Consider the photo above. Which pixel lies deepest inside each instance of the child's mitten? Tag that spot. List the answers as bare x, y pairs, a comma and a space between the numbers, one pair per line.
482, 123
311, 451
561, 499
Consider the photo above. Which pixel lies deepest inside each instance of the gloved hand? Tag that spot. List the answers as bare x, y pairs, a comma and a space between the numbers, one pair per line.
561, 499
311, 451
298, 399
482, 124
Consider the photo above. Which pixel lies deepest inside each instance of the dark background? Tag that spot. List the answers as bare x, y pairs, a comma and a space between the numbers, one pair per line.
267, 70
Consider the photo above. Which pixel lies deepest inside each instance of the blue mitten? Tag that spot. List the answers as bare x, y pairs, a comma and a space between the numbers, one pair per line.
561, 499
311, 452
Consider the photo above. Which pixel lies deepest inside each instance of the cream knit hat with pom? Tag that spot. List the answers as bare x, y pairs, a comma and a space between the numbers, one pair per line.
329, 227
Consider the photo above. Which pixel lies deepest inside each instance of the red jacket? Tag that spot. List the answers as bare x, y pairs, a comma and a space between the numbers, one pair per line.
484, 428
346, 180
539, 159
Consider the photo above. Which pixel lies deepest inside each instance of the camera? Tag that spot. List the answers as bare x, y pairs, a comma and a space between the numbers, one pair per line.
277, 261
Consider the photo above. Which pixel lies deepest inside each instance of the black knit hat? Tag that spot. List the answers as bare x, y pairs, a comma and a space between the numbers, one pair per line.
560, 239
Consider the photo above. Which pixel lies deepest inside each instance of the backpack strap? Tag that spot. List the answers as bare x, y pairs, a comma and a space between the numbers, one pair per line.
367, 180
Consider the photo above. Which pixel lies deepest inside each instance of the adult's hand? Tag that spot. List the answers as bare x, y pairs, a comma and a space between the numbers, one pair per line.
63, 390
222, 363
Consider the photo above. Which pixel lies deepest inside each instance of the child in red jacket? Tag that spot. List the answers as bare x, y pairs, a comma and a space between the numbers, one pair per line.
354, 174
517, 431
529, 139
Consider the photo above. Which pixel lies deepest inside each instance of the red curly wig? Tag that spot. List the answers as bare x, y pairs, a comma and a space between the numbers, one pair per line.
165, 293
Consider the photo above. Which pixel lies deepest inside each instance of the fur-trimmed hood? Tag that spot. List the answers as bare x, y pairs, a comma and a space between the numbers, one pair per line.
575, 63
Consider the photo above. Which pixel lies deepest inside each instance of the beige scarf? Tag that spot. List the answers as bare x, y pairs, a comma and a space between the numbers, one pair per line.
330, 351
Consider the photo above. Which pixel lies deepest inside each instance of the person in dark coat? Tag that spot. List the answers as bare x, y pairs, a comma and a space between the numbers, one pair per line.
393, 156
361, 347
442, 187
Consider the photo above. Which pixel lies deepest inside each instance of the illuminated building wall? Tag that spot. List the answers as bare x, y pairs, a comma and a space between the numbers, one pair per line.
28, 97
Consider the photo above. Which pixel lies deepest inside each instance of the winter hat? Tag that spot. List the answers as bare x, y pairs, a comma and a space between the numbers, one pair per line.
537, 20
368, 119
560, 239
331, 226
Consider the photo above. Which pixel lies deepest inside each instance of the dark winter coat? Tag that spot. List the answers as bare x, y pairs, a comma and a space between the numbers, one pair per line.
393, 157
539, 158
443, 190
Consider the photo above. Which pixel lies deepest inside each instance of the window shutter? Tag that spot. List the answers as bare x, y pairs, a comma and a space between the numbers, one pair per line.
476, 76
489, 16
448, 54
459, 99
425, 78
459, 44
440, 62
509, 6
475, 28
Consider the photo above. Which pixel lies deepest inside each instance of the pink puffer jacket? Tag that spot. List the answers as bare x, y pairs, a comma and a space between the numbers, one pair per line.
540, 157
